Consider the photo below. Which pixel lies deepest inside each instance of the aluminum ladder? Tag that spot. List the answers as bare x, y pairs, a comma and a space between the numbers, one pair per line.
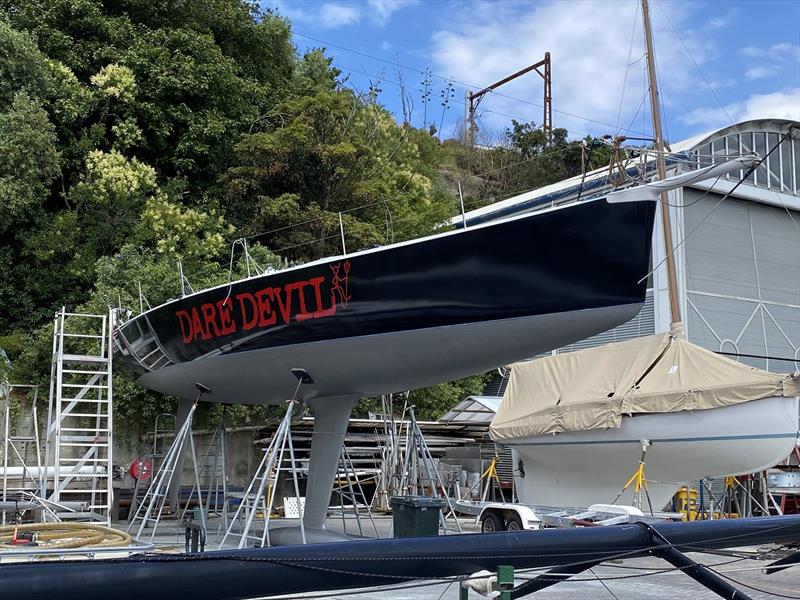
79, 438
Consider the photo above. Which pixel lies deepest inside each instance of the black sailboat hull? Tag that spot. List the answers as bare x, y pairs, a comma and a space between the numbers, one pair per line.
403, 316
266, 572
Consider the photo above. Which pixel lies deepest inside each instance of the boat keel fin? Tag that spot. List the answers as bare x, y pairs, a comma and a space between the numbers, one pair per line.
331, 416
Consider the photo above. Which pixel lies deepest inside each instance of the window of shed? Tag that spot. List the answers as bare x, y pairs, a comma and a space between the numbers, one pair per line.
774, 161
761, 148
786, 166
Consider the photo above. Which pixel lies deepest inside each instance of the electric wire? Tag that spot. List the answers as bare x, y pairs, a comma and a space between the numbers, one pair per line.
635, 114
714, 208
384, 79
604, 584
628, 63
754, 588
696, 66
448, 79
783, 200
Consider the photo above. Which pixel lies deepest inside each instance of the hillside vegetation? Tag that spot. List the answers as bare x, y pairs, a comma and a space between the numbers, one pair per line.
138, 133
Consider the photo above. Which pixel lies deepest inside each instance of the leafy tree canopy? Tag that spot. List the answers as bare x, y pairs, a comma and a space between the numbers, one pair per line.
138, 133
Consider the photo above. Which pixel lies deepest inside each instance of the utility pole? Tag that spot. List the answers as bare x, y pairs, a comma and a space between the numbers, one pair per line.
672, 279
474, 99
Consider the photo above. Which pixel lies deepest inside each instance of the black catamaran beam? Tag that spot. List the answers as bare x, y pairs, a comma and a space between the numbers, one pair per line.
239, 574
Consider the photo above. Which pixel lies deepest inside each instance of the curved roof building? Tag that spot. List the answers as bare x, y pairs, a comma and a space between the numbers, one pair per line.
738, 260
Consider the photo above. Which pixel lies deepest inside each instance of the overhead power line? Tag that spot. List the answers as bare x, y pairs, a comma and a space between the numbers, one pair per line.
384, 79
462, 84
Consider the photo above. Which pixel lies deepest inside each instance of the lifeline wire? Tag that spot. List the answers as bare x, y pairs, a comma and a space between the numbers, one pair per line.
603, 579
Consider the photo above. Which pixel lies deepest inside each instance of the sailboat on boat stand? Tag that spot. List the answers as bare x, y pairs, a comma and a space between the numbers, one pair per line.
580, 423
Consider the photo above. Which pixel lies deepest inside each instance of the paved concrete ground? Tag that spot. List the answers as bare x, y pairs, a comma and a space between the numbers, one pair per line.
636, 579
656, 587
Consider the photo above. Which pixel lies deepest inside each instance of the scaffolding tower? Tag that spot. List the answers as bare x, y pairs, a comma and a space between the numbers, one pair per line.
21, 450
78, 445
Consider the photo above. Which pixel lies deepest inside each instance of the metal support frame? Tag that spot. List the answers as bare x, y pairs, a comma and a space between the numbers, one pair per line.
391, 457
474, 98
638, 481
156, 457
152, 506
216, 474
347, 492
260, 494
418, 453
18, 446
79, 439
490, 477
266, 478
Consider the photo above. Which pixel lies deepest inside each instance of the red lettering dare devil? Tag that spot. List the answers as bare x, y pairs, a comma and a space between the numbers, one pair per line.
314, 298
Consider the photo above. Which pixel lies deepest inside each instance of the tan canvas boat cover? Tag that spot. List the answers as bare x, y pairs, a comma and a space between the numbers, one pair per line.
594, 388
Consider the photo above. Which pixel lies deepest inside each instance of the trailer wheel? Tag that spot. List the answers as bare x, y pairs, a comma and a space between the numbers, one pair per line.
492, 523
514, 523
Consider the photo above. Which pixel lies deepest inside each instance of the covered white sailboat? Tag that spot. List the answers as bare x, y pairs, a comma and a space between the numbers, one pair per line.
577, 420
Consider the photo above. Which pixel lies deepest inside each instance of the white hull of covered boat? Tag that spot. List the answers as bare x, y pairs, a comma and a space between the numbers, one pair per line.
587, 467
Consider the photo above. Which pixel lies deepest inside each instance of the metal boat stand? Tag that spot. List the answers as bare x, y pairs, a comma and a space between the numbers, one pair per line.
214, 468
260, 494
638, 481
152, 505
416, 480
349, 493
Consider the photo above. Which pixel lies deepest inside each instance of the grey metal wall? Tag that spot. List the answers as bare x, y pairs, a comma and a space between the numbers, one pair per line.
641, 324
743, 278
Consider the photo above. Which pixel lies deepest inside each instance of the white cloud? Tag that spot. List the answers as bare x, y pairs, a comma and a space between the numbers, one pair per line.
780, 52
588, 42
719, 84
720, 21
780, 105
380, 11
329, 15
333, 15
717, 22
385, 46
760, 72
340, 14
769, 61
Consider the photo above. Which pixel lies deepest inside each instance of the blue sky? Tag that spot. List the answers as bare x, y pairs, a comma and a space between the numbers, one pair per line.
718, 61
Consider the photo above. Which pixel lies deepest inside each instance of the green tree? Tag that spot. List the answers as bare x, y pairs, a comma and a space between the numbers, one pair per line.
138, 133
329, 153
29, 160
